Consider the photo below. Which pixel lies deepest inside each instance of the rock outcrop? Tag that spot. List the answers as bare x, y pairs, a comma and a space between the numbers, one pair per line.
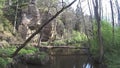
32, 18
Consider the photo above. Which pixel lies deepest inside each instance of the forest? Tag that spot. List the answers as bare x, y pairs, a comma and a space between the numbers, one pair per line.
59, 33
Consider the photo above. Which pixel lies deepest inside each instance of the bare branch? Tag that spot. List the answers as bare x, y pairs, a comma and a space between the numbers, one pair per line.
89, 8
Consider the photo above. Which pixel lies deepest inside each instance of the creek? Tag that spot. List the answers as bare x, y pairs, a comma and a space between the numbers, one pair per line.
57, 61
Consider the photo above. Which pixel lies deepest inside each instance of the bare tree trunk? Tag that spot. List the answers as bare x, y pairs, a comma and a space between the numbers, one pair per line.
40, 28
102, 16
84, 24
106, 14
112, 20
9, 2
97, 12
15, 21
118, 10
39, 39
90, 15
89, 7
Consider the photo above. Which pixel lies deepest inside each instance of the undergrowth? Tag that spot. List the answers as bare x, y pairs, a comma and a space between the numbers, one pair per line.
111, 49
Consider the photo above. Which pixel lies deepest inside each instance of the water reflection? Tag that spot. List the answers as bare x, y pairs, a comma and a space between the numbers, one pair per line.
62, 62
88, 65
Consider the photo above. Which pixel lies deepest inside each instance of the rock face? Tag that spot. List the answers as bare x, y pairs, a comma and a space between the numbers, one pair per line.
23, 31
46, 31
32, 19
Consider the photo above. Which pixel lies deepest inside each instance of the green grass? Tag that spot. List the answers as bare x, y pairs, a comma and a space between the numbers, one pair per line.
5, 54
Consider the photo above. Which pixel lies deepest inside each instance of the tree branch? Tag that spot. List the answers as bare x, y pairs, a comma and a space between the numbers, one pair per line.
40, 28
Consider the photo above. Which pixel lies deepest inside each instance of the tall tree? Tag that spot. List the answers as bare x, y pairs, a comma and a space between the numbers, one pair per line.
97, 13
118, 10
15, 20
85, 23
90, 10
112, 13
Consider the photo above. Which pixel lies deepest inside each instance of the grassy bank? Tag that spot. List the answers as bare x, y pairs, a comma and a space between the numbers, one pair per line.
5, 54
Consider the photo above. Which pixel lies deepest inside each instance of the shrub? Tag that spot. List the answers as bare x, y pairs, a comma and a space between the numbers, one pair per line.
24, 51
59, 42
111, 52
76, 37
6, 51
3, 63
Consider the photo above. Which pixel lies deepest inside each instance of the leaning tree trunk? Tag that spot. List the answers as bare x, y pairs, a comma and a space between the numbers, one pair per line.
40, 28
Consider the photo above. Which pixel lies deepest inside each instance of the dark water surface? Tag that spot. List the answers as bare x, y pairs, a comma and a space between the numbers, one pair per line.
73, 61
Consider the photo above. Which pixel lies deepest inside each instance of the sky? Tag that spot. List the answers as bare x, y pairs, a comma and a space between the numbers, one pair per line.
85, 6
106, 8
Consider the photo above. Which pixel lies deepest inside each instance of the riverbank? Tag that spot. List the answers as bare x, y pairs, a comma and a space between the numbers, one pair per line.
111, 46
27, 55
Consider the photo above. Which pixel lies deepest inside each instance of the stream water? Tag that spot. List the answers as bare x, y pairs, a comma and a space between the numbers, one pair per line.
71, 61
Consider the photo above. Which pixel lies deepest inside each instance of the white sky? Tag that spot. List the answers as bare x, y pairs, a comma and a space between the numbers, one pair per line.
106, 8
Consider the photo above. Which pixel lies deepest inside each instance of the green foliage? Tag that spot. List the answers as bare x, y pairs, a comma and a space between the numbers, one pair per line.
6, 51
43, 55
34, 53
10, 11
10, 14
44, 43
31, 48
28, 50
3, 20
2, 63
112, 52
59, 42
38, 57
1, 27
24, 51
77, 37
94, 45
106, 30
1, 6
10, 50
5, 25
